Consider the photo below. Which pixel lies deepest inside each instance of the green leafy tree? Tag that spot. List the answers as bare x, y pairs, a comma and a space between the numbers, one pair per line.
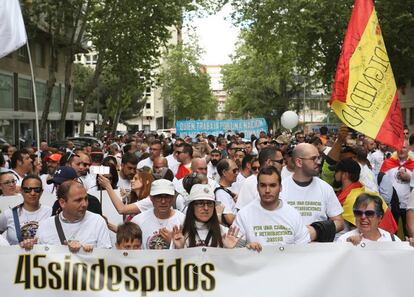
186, 85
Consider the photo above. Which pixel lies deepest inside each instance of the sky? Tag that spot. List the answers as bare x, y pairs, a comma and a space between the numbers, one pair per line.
217, 36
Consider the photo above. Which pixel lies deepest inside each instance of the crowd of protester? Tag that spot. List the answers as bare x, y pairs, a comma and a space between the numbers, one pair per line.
147, 191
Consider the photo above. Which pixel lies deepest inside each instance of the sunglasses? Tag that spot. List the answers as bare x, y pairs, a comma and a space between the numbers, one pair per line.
264, 142
367, 213
278, 161
235, 170
254, 168
29, 190
9, 182
314, 158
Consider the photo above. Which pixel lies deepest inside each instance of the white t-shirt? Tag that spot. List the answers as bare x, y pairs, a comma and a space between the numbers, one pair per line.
283, 225
88, 181
402, 188
212, 172
248, 192
285, 173
315, 202
144, 204
46, 187
227, 200
172, 163
91, 230
368, 179
124, 183
150, 226
235, 187
29, 222
385, 236
377, 158
146, 162
3, 241
7, 202
410, 202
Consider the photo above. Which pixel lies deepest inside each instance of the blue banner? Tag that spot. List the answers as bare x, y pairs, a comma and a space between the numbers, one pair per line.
216, 127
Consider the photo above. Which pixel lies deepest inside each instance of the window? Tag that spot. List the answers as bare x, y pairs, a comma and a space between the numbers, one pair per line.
6, 91
22, 54
25, 94
39, 55
55, 104
404, 115
41, 95
148, 106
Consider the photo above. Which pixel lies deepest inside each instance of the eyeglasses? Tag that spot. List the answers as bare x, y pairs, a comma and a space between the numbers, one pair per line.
200, 204
29, 190
254, 168
278, 161
9, 182
178, 152
264, 142
314, 158
367, 213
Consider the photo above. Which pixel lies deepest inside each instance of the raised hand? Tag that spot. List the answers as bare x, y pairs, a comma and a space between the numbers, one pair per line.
165, 234
230, 239
178, 237
104, 182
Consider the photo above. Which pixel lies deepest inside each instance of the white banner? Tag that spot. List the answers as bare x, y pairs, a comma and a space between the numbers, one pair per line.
384, 269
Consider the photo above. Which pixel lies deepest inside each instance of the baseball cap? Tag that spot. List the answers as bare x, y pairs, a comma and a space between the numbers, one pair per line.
200, 192
162, 186
282, 139
63, 174
348, 165
54, 157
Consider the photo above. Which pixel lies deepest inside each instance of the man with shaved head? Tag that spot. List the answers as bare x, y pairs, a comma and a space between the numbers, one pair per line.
312, 197
159, 163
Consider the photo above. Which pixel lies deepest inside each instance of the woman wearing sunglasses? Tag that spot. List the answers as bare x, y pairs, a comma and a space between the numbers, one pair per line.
21, 222
368, 212
201, 225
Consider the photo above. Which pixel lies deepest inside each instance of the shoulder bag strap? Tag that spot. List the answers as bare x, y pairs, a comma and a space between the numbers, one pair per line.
17, 222
60, 230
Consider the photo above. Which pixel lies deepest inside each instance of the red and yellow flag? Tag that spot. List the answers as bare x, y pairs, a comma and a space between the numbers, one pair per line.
347, 199
365, 95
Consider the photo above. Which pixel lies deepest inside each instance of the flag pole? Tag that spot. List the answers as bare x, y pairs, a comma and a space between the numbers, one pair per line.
35, 98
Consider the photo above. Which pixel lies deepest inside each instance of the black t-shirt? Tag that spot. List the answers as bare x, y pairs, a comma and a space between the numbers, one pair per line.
93, 206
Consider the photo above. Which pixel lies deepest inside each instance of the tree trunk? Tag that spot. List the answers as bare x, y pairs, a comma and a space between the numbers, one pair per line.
68, 88
92, 84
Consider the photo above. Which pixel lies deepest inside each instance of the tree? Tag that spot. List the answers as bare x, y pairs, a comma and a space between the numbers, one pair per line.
259, 84
186, 85
310, 32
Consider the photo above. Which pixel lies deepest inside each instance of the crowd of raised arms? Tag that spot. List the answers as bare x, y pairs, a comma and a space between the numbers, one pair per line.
145, 191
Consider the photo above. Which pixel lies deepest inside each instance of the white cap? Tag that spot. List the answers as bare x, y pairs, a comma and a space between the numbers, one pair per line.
200, 192
162, 186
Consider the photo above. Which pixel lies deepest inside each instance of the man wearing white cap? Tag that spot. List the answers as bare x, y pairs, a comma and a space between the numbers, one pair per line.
157, 223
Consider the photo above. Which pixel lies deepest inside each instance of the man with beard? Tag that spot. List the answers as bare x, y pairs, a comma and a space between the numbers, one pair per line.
215, 157
312, 197
128, 170
86, 178
52, 163
21, 164
347, 175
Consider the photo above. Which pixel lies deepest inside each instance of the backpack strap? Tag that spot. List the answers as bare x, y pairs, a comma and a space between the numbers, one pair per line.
225, 190
59, 229
17, 222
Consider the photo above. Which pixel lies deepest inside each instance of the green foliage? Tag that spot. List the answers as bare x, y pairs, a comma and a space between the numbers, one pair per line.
186, 86
310, 33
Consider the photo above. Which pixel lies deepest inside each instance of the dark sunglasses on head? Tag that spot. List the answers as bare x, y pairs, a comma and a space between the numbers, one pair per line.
29, 190
367, 213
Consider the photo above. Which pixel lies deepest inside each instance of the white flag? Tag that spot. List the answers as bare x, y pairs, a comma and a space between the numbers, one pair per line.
12, 31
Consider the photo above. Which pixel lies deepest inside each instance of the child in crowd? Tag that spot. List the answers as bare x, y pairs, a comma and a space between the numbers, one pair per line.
128, 237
